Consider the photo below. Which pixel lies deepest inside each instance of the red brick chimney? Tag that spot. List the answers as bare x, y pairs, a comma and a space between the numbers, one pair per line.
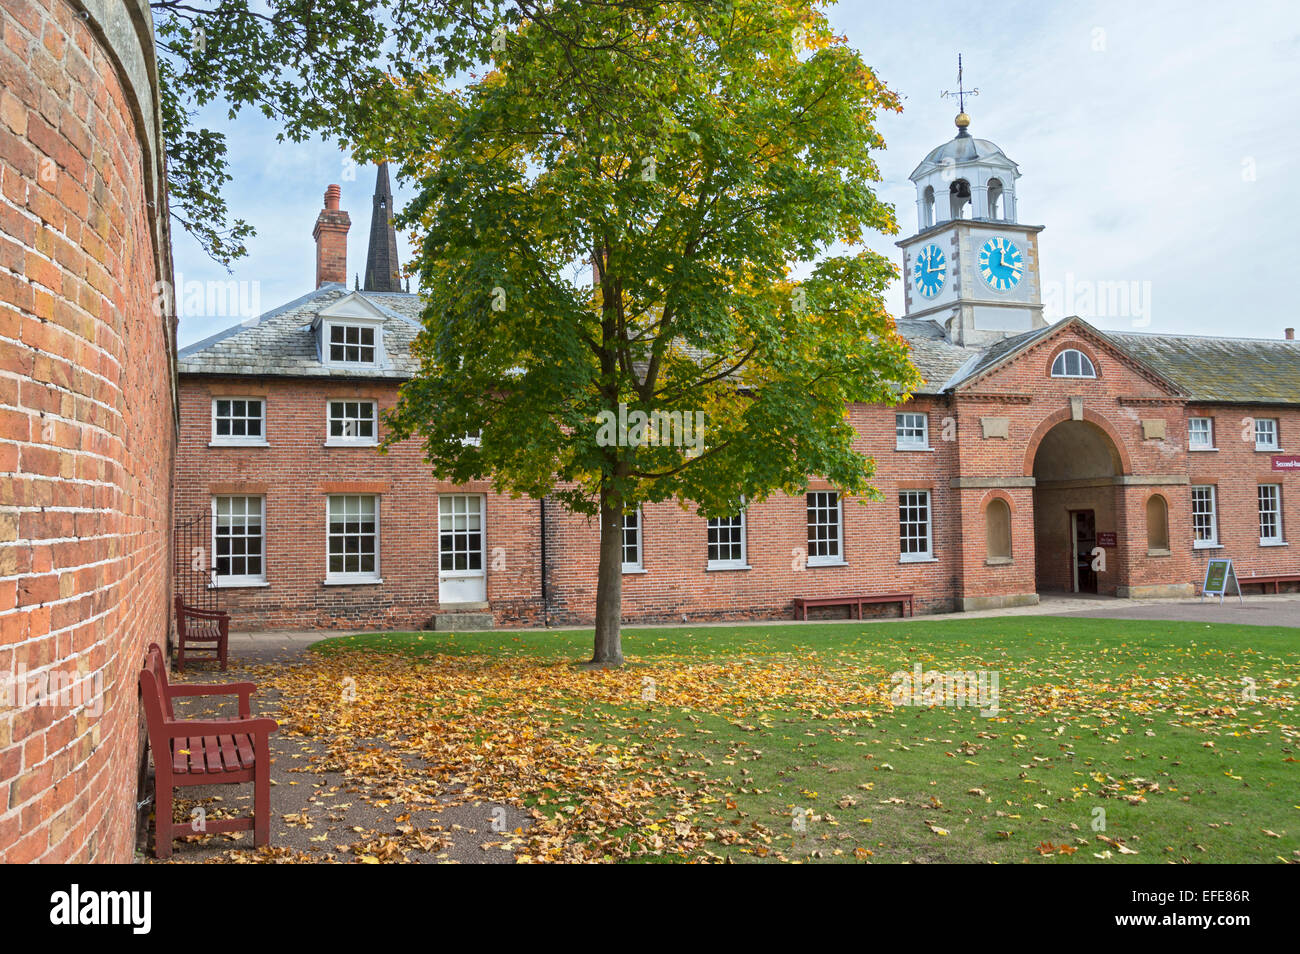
331, 235
1290, 334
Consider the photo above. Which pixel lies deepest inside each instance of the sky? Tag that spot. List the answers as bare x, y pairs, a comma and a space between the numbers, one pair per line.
1154, 141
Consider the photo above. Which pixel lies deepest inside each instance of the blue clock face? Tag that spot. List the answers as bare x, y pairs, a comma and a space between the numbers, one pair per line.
1001, 263
929, 271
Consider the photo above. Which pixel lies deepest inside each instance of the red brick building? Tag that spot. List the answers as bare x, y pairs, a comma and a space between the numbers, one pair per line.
1036, 457
87, 421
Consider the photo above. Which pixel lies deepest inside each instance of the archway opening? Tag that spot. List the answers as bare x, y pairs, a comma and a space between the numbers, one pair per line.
1076, 509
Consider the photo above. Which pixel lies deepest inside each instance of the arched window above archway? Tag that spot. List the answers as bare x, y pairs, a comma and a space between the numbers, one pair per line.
997, 529
1072, 363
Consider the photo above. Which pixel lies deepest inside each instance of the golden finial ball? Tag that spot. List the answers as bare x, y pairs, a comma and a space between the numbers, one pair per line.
962, 120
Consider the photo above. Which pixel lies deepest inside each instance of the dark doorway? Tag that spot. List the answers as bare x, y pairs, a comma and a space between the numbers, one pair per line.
1083, 531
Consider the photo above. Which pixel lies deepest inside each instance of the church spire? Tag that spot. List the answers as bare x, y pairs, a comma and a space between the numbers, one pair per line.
382, 273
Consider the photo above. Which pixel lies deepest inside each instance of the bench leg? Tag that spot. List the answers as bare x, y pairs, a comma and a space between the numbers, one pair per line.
162, 819
262, 795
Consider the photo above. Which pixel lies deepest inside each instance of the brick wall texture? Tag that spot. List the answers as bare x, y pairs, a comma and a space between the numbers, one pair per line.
87, 440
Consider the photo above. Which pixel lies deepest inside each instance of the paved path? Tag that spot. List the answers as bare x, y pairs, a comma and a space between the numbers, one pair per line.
1257, 610
316, 812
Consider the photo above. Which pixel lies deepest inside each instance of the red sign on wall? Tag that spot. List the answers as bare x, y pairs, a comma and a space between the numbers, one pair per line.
1288, 462
1107, 538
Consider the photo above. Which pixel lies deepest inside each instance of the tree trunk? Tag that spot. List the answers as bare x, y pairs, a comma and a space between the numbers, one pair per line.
609, 584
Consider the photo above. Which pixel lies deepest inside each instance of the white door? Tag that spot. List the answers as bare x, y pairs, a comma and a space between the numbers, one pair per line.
461, 578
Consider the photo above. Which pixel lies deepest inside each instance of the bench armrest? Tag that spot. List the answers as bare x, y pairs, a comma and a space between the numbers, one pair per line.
194, 727
241, 689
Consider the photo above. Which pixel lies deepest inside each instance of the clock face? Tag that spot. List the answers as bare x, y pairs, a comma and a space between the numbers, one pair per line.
929, 271
1001, 263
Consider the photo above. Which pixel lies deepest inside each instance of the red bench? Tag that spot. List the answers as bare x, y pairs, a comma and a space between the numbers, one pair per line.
204, 752
209, 629
1270, 578
801, 603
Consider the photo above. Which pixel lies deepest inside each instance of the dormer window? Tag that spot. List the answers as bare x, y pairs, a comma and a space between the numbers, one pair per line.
1073, 364
350, 334
351, 344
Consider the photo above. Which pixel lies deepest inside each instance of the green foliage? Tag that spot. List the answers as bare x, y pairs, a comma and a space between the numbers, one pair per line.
702, 153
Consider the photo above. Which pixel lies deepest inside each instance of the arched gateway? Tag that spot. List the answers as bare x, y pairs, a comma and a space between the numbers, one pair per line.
1078, 506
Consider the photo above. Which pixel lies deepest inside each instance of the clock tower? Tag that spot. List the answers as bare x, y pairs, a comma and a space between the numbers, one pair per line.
971, 266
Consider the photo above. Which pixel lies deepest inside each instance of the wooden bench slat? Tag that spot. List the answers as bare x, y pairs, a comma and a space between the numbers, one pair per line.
229, 754
212, 753
244, 745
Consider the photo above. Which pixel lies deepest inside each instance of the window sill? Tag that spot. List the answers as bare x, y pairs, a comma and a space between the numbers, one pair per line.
239, 443
1273, 543
634, 570
999, 561
918, 559
1207, 546
1202, 450
350, 444
352, 581
812, 563
723, 567
1268, 450
916, 447
229, 583
1158, 552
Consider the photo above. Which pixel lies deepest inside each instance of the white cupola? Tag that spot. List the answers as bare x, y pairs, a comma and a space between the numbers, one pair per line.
965, 178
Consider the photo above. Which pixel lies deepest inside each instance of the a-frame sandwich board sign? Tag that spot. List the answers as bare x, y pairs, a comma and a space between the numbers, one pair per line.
1219, 574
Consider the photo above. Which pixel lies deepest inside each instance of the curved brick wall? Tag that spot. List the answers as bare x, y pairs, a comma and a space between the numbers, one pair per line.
87, 426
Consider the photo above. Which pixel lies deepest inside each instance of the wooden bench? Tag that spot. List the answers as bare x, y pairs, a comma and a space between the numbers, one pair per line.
1274, 578
801, 603
204, 752
208, 631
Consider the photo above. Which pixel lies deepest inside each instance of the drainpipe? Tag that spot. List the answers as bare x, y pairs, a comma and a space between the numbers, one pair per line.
541, 506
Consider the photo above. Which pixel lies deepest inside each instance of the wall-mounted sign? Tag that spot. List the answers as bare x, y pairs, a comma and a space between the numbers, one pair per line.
1219, 575
1107, 538
1288, 462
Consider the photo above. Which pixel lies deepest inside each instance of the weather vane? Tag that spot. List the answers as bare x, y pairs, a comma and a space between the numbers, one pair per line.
961, 92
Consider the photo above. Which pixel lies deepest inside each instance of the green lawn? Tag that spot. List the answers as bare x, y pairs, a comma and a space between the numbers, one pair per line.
779, 741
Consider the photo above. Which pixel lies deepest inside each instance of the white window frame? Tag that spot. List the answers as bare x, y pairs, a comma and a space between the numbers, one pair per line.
1084, 362
241, 440
1273, 443
926, 501
331, 440
906, 422
825, 559
639, 565
240, 579
742, 563
1213, 512
345, 577
1208, 432
327, 341
478, 511
1275, 491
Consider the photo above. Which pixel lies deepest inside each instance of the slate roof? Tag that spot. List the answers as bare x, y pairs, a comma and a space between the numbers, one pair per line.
282, 342
1231, 370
